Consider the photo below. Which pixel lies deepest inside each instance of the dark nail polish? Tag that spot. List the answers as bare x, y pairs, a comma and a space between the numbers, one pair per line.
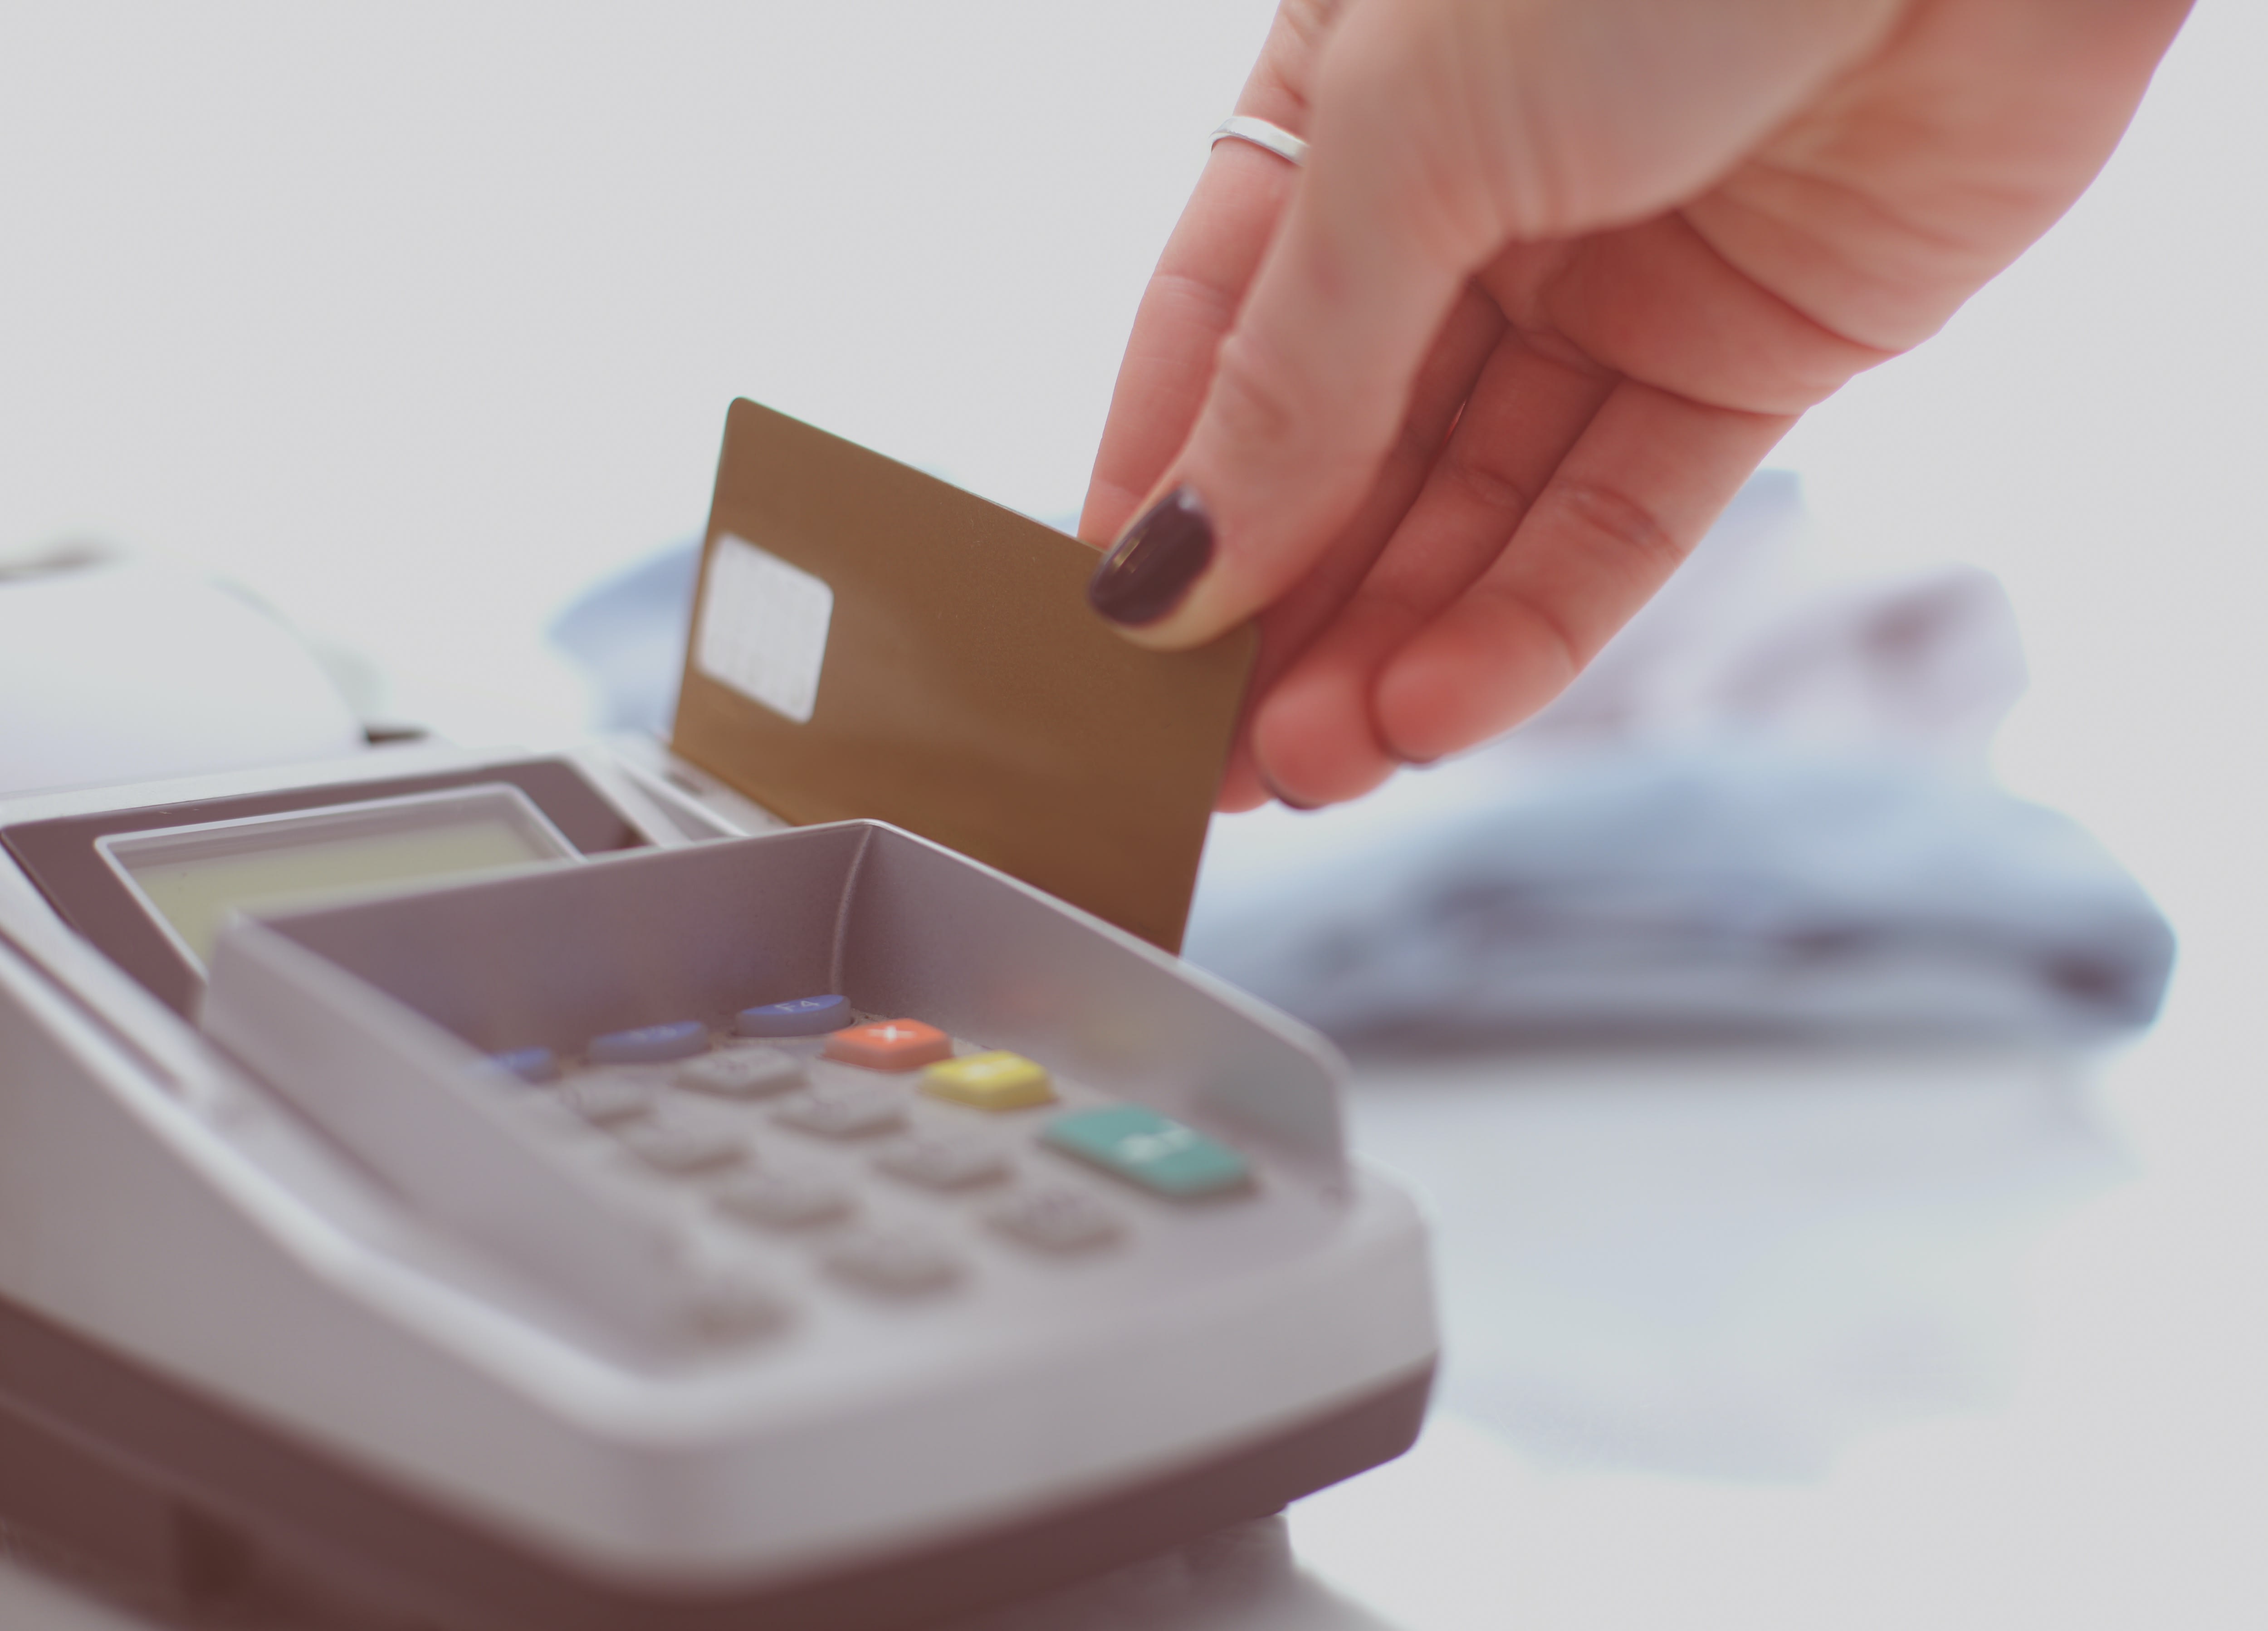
1154, 562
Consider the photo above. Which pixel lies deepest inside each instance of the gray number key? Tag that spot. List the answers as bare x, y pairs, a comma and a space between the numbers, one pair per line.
784, 1200
674, 1148
938, 1160
1055, 1217
896, 1262
607, 1098
735, 1306
841, 1109
742, 1073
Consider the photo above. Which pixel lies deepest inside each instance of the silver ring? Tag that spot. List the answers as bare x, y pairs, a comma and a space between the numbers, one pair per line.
1260, 133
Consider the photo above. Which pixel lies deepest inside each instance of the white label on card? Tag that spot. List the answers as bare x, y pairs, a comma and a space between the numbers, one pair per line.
763, 628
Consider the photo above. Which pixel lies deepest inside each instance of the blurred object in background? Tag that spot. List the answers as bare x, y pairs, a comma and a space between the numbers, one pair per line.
1737, 889
1762, 809
1745, 640
626, 635
118, 670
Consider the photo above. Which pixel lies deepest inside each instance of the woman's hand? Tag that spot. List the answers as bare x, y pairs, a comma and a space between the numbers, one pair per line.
1445, 406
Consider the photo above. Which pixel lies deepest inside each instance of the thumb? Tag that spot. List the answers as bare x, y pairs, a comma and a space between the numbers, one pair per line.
1311, 384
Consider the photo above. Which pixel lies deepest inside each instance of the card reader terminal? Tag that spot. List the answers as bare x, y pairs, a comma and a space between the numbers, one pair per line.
810, 1229
478, 1190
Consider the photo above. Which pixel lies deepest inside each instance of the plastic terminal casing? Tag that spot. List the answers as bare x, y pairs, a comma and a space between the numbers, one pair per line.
343, 1246
378, 1018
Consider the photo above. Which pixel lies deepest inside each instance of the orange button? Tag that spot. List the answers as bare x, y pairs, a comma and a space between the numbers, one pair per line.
890, 1045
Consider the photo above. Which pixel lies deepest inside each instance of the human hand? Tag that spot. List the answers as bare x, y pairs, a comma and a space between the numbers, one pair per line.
1445, 406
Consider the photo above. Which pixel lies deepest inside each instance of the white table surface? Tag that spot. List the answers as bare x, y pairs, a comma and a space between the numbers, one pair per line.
1768, 1343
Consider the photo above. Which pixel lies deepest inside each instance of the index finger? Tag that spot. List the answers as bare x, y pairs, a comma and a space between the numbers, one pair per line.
1193, 296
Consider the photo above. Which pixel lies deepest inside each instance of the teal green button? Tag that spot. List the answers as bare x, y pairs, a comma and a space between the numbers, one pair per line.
1147, 1149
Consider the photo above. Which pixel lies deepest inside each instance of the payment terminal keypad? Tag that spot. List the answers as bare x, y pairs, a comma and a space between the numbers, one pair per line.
993, 1081
802, 1015
786, 1200
537, 1065
844, 1109
605, 1099
894, 1261
671, 1147
1148, 1149
890, 1045
742, 1073
1054, 1217
651, 1044
733, 1307
946, 1160
881, 1160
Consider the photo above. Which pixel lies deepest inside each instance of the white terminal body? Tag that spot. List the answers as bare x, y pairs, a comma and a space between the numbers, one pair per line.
279, 1241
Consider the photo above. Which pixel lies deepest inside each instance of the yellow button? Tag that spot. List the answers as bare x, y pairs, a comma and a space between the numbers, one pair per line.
996, 1081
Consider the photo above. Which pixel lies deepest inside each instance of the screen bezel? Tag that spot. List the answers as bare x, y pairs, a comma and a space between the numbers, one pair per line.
59, 855
496, 804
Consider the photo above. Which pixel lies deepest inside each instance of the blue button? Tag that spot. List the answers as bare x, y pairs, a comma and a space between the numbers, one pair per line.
529, 1064
650, 1045
1144, 1148
803, 1016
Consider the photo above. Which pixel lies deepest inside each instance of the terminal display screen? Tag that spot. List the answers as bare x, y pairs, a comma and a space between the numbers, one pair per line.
194, 877
149, 884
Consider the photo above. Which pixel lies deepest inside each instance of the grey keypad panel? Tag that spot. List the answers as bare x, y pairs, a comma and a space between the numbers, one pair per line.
803, 1177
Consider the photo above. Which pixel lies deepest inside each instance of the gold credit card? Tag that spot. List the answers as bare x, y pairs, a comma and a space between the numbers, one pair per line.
870, 641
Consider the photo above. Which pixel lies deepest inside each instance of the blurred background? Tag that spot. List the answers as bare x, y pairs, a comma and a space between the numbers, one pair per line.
419, 321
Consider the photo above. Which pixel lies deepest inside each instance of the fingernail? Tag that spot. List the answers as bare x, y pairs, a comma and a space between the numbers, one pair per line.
1283, 797
1154, 562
